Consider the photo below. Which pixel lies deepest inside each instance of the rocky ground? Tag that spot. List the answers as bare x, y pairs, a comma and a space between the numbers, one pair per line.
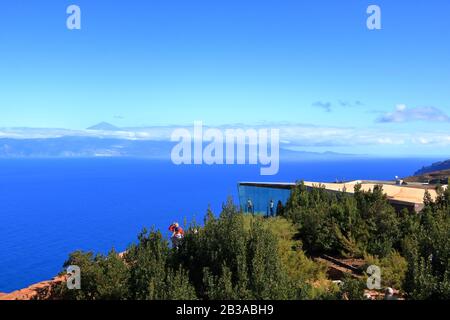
38, 291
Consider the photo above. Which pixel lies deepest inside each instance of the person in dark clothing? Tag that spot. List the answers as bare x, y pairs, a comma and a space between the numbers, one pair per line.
280, 208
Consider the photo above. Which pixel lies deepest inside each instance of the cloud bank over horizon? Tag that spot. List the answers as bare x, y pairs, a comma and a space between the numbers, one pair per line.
293, 136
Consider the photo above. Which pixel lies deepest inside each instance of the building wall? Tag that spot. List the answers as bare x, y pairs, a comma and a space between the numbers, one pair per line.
261, 196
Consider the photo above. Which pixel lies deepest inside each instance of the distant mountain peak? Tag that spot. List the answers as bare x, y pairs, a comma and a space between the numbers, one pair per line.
104, 126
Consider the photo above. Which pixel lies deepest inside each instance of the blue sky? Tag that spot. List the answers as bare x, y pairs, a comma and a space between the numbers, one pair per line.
167, 62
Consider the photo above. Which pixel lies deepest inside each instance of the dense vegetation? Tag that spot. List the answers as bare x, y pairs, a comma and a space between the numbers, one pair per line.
234, 256
413, 250
238, 256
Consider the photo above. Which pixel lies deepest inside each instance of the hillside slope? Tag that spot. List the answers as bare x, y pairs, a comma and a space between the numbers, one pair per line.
437, 166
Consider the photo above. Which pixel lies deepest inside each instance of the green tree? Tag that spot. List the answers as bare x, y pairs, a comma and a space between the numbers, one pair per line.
428, 251
101, 277
352, 288
152, 277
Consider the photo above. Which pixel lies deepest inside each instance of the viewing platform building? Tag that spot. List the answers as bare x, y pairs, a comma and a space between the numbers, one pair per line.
400, 196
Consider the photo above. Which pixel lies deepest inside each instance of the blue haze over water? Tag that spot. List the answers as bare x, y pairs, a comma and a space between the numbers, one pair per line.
49, 208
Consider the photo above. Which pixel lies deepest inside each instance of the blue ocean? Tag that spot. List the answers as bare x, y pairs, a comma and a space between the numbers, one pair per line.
49, 208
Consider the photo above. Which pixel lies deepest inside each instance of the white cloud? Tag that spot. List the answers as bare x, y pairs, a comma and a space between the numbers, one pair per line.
404, 114
438, 139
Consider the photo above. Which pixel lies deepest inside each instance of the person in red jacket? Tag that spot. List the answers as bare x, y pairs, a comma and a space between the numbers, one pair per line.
177, 234
173, 226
